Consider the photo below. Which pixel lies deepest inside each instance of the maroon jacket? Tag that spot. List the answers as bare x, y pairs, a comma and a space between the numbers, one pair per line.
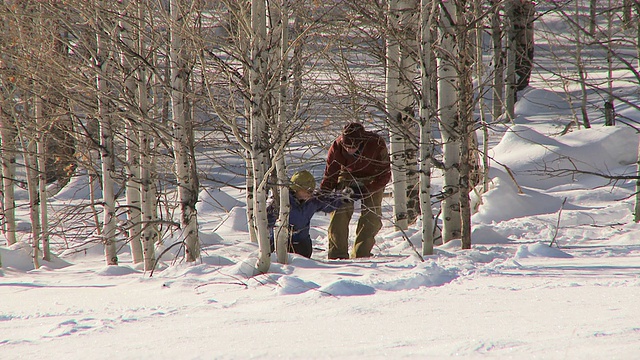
370, 165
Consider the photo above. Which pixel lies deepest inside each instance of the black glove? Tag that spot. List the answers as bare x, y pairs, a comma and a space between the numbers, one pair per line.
347, 195
359, 191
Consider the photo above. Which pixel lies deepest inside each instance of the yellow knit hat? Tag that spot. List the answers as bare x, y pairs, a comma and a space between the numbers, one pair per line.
302, 180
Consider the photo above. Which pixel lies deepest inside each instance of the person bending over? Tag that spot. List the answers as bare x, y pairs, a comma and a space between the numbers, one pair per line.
359, 160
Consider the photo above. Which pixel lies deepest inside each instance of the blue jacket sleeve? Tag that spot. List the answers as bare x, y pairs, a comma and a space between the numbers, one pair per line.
328, 202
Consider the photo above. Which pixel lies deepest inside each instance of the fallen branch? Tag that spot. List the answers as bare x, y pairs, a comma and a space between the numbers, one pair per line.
555, 234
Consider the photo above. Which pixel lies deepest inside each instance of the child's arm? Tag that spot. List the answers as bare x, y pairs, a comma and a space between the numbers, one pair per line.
328, 202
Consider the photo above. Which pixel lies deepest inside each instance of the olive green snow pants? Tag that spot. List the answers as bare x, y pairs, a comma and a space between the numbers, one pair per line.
369, 224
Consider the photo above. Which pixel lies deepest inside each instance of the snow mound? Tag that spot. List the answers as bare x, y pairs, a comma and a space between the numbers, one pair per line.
19, 257
540, 250
236, 220
425, 275
346, 287
245, 268
116, 270
291, 285
532, 155
483, 234
531, 202
207, 238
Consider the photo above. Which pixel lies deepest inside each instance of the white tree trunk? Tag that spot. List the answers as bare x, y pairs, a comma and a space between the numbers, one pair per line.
29, 144
31, 165
449, 123
106, 154
8, 155
395, 118
42, 180
244, 45
408, 101
480, 79
108, 196
182, 137
259, 151
250, 187
148, 190
132, 141
283, 233
427, 13
148, 202
133, 195
400, 104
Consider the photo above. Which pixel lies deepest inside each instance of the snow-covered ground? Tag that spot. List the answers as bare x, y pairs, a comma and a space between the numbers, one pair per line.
511, 296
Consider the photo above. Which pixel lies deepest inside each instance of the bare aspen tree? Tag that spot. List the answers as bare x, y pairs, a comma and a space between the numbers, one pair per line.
28, 119
510, 90
497, 97
481, 87
408, 76
42, 182
465, 117
609, 106
281, 136
258, 121
400, 103
449, 122
427, 18
129, 94
148, 190
182, 130
282, 230
8, 205
581, 68
236, 41
394, 111
104, 115
271, 114
241, 17
8, 133
43, 134
30, 153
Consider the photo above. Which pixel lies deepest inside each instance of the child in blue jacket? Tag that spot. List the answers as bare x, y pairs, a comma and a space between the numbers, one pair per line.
305, 202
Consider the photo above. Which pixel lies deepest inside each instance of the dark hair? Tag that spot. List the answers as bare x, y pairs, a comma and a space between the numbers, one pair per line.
352, 134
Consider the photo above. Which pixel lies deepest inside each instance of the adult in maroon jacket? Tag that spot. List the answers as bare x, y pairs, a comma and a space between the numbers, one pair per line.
357, 159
